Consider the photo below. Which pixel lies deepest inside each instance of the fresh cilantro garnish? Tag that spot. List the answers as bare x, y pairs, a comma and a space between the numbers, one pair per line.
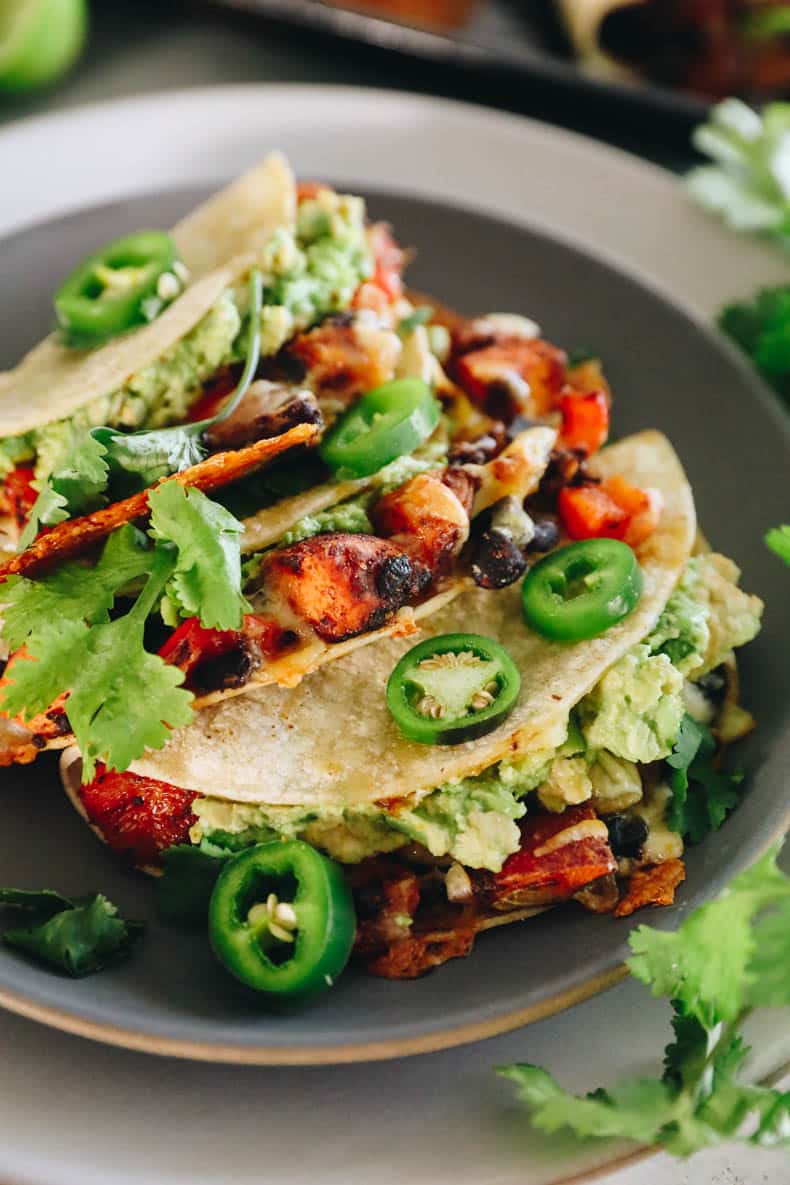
749, 183
778, 540
189, 875
420, 316
729, 957
74, 592
761, 327
77, 480
206, 582
131, 461
122, 699
702, 796
49, 508
75, 936
139, 459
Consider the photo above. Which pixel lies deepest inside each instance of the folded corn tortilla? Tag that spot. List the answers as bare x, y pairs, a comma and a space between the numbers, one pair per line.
217, 242
584, 21
332, 739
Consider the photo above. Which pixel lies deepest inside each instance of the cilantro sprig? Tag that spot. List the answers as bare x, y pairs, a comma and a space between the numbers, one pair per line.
78, 936
104, 462
761, 327
76, 484
728, 958
702, 796
748, 183
121, 698
137, 460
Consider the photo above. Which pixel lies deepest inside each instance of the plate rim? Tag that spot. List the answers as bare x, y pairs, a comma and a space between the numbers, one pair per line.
472, 1031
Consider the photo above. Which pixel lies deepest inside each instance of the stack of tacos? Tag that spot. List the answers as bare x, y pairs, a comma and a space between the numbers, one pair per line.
407, 609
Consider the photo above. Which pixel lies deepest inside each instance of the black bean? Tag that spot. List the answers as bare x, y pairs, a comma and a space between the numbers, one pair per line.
497, 561
547, 535
474, 452
627, 834
713, 685
231, 669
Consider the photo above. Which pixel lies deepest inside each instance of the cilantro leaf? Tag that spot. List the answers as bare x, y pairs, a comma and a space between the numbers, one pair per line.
77, 478
746, 185
728, 957
189, 876
122, 699
702, 965
636, 1110
420, 316
702, 796
770, 982
778, 540
206, 582
79, 938
139, 459
49, 508
81, 475
74, 592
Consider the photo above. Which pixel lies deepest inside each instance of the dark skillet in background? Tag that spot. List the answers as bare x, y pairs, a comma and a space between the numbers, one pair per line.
667, 371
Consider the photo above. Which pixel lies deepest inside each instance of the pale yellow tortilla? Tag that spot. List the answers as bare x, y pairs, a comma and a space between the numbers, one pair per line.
584, 21
332, 740
217, 243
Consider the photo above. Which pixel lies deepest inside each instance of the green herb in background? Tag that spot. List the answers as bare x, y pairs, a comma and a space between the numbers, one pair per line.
761, 327
728, 958
77, 936
749, 182
713, 792
778, 540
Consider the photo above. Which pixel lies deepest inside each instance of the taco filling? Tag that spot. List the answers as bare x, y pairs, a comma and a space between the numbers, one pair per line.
367, 637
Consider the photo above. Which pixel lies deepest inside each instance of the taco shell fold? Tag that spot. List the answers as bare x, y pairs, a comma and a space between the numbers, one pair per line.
332, 740
217, 242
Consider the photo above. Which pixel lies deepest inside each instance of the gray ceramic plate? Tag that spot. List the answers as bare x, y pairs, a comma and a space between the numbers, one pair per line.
667, 372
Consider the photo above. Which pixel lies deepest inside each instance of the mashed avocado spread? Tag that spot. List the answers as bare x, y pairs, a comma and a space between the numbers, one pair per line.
631, 716
306, 275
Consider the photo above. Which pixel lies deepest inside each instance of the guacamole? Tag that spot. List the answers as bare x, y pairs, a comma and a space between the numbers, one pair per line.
307, 275
635, 710
158, 395
706, 617
631, 717
348, 516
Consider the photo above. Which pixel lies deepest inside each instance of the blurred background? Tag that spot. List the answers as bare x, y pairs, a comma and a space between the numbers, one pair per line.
638, 73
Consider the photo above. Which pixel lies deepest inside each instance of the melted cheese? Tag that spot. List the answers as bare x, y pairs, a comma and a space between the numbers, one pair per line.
587, 829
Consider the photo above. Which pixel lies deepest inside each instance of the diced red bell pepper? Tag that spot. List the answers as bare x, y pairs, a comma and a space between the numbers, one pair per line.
138, 817
559, 872
385, 285
306, 190
530, 372
192, 644
19, 494
587, 512
585, 421
214, 395
615, 509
